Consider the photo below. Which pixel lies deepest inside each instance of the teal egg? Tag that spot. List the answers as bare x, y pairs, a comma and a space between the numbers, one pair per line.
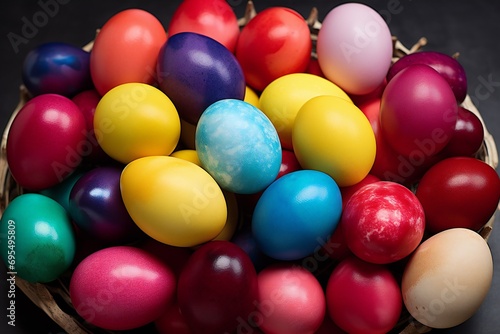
38, 241
61, 191
239, 146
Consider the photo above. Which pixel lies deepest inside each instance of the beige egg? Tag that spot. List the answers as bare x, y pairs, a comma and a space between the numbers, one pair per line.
447, 278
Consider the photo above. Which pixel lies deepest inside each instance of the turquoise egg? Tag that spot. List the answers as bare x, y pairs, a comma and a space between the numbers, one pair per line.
238, 145
61, 191
296, 215
38, 241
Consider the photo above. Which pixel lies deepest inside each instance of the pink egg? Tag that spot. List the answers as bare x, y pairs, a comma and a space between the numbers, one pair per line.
291, 301
121, 288
355, 48
418, 113
46, 141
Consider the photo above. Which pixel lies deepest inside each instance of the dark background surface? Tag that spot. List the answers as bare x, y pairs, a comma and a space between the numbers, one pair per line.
471, 28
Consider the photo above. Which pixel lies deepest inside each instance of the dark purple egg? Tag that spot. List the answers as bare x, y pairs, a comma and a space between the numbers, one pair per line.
448, 67
96, 206
195, 71
57, 68
217, 288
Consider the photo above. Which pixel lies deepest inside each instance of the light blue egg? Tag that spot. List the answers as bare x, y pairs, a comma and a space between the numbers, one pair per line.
296, 214
239, 146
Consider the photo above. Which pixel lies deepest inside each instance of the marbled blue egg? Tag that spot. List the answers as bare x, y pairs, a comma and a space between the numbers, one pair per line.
57, 68
239, 146
195, 71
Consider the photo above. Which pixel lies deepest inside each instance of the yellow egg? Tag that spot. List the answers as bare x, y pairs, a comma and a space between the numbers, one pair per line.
251, 97
135, 120
173, 200
282, 99
332, 135
447, 278
188, 154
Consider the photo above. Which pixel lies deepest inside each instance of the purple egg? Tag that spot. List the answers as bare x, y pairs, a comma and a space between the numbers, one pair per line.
195, 71
96, 206
57, 68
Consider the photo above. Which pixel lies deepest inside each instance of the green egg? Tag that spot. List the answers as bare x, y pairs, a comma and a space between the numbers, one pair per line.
60, 192
37, 240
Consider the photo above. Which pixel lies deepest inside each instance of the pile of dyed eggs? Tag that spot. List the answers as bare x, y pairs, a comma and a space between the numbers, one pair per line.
220, 179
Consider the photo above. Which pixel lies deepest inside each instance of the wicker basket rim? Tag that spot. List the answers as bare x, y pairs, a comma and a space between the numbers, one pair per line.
43, 295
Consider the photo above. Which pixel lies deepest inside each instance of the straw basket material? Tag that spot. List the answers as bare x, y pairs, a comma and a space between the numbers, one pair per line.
53, 298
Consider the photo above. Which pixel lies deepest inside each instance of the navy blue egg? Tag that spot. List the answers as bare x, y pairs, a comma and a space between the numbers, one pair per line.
195, 71
296, 213
97, 207
57, 68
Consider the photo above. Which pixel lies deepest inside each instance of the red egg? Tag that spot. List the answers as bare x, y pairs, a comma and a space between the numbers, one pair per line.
459, 192
174, 257
172, 322
390, 165
383, 222
126, 50
274, 43
418, 112
87, 102
46, 141
213, 18
291, 300
468, 136
336, 246
347, 192
363, 297
121, 288
217, 288
289, 163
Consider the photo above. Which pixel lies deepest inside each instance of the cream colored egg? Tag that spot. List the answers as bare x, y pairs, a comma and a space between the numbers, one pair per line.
447, 278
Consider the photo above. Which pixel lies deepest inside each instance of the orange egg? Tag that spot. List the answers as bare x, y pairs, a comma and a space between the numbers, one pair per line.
126, 49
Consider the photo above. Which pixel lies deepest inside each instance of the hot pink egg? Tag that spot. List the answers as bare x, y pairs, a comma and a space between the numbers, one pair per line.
121, 288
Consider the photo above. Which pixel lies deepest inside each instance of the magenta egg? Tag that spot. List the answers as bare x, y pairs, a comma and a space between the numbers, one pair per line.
121, 288
96, 206
46, 141
418, 112
448, 67
217, 288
